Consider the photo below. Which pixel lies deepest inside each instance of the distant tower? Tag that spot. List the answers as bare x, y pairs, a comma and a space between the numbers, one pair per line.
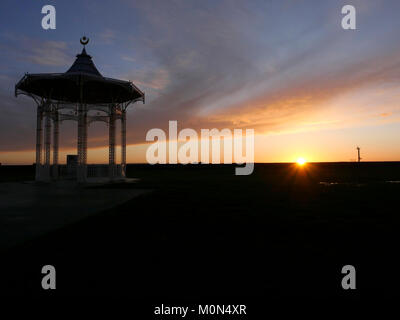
358, 151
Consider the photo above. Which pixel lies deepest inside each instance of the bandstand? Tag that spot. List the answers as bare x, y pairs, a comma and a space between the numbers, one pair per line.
71, 96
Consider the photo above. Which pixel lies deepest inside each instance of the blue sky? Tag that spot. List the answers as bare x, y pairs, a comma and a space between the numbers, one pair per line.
285, 68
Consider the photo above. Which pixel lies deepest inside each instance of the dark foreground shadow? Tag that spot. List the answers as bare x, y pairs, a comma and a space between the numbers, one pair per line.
205, 233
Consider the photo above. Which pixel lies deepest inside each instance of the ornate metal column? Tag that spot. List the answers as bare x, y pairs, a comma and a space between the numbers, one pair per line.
55, 143
39, 138
123, 143
111, 146
85, 136
47, 144
82, 143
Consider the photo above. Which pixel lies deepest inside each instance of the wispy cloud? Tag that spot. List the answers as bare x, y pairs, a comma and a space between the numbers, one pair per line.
35, 51
276, 66
108, 36
49, 53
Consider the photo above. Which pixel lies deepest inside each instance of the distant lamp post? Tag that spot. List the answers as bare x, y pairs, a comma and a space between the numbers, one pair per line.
358, 154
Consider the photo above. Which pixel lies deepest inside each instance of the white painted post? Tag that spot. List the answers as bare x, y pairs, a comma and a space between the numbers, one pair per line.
123, 144
39, 138
111, 147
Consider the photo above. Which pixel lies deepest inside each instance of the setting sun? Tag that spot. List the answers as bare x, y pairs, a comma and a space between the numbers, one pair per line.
301, 161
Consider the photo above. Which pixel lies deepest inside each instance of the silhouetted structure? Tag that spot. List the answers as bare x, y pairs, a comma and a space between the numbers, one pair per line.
358, 154
81, 89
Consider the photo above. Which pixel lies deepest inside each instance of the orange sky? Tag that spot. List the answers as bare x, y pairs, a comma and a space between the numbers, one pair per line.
286, 69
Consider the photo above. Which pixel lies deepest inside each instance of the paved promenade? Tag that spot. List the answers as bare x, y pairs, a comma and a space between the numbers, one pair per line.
28, 209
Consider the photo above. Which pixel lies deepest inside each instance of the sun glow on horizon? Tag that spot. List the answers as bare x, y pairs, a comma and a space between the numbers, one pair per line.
301, 161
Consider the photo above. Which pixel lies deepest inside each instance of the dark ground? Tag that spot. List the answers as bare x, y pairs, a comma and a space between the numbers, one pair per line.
205, 233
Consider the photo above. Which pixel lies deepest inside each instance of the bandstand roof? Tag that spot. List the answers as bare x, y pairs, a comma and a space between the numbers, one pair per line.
82, 83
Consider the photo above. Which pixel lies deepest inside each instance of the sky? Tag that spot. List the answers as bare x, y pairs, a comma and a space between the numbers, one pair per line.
286, 69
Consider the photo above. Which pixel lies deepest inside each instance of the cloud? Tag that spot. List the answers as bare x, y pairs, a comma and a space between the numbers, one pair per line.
268, 65
227, 68
156, 79
21, 48
49, 53
108, 36
127, 58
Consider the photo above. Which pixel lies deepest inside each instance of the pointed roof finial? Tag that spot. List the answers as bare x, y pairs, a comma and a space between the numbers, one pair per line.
84, 40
